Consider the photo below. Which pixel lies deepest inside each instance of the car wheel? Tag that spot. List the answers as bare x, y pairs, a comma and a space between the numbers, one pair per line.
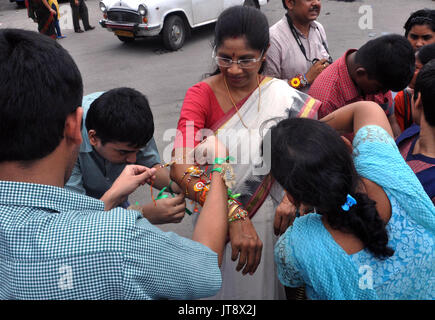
252, 3
174, 33
126, 39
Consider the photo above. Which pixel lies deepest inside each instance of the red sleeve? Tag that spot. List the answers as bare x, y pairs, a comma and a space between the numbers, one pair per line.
324, 90
193, 115
325, 109
399, 108
385, 100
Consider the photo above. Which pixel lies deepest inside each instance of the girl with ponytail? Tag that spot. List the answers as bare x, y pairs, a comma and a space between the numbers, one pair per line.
371, 232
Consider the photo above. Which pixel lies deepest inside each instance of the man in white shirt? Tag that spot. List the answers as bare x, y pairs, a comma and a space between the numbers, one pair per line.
298, 50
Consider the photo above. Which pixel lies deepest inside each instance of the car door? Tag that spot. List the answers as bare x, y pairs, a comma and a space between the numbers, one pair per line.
230, 3
206, 10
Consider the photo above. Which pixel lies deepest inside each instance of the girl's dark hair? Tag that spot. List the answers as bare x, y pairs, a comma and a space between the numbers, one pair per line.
313, 164
425, 84
238, 21
420, 17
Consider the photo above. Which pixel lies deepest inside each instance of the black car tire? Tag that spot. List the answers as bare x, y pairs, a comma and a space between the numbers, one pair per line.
126, 39
174, 33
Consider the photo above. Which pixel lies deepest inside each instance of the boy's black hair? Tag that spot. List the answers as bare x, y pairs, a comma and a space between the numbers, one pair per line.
426, 53
425, 84
420, 17
389, 59
121, 115
40, 85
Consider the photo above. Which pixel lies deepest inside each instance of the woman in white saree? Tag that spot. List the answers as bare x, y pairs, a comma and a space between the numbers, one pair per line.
237, 104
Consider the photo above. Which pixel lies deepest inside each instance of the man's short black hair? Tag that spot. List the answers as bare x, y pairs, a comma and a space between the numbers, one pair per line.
389, 59
425, 84
40, 85
121, 115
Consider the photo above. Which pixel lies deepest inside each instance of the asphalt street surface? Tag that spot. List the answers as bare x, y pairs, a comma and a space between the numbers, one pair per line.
164, 77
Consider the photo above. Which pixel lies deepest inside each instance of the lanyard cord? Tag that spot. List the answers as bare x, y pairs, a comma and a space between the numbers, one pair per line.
298, 40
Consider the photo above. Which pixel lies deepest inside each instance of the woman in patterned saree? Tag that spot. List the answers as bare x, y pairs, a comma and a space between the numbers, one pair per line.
371, 235
41, 12
236, 104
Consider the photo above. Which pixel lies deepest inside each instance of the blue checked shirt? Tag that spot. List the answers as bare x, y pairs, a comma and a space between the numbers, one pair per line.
58, 244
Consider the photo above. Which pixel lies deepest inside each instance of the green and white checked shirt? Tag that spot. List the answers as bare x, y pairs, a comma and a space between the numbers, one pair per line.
57, 244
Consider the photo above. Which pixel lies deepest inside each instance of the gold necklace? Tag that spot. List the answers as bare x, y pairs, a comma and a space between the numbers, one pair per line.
234, 104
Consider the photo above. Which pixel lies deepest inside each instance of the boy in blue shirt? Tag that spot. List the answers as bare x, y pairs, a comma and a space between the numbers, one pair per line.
118, 130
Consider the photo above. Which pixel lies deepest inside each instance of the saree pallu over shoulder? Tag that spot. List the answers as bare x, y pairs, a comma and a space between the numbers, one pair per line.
273, 101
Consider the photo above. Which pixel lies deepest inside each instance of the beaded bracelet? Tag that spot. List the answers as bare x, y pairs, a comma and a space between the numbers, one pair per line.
238, 214
236, 211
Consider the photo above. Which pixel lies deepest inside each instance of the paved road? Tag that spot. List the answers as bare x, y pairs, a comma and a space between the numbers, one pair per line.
164, 76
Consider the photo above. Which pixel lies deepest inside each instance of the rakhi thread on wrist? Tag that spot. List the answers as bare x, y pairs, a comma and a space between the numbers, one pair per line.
164, 196
195, 171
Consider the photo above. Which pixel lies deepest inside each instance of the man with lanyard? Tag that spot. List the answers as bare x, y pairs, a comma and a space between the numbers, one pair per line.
298, 50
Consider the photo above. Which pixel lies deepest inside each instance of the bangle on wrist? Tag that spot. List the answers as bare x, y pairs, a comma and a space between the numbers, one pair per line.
236, 211
218, 169
305, 80
299, 81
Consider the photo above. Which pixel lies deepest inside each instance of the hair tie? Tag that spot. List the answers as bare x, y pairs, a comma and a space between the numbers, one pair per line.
350, 201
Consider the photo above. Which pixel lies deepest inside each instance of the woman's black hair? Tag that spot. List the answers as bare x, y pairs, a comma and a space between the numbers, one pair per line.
314, 165
420, 17
238, 21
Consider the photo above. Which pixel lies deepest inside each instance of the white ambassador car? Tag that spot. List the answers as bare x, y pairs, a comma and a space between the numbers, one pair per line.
170, 19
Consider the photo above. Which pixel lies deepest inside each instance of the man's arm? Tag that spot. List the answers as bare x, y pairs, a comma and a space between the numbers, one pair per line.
394, 125
128, 181
149, 157
272, 66
245, 243
356, 115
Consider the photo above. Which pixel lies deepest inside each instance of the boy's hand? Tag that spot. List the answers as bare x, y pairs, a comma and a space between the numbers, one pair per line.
168, 210
128, 181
